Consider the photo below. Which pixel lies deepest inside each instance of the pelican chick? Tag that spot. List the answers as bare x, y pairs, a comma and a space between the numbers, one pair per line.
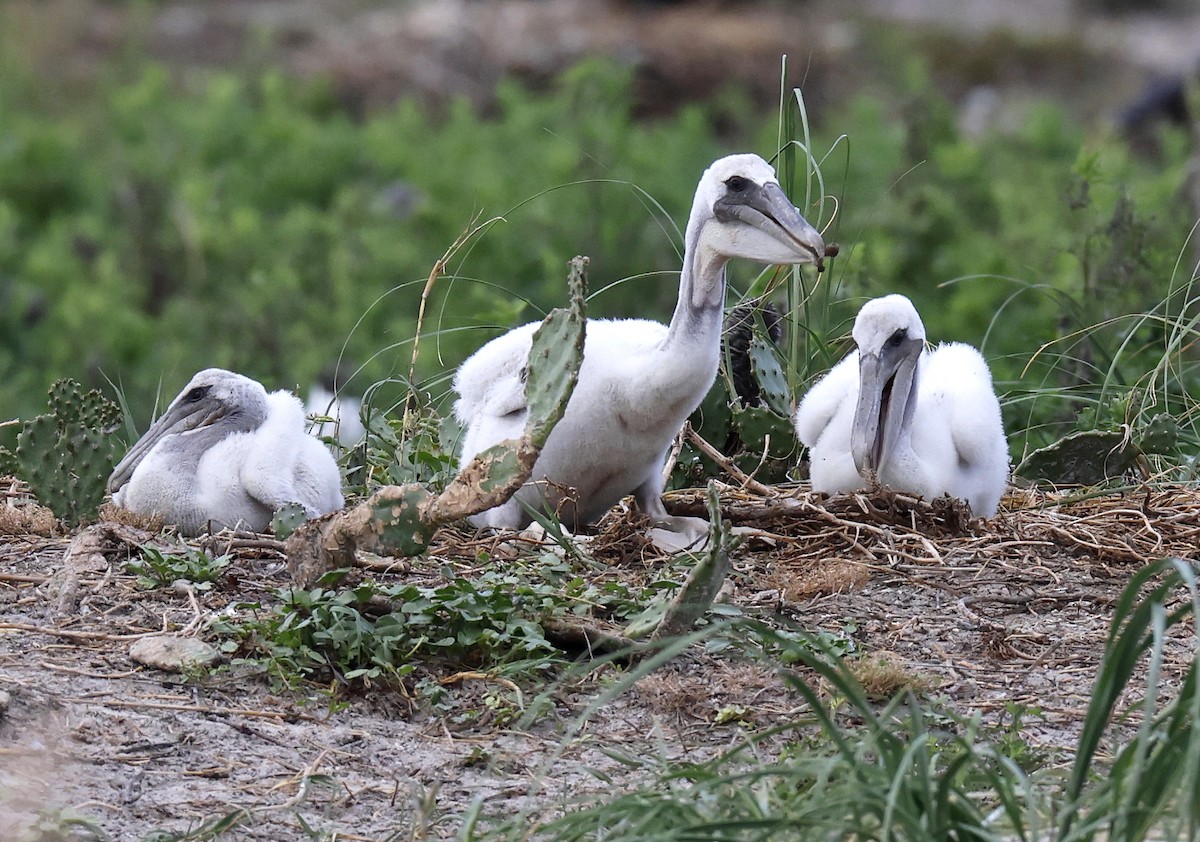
227, 454
919, 421
639, 379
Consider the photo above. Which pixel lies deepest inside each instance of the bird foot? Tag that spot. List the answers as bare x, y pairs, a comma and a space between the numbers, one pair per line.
535, 533
677, 533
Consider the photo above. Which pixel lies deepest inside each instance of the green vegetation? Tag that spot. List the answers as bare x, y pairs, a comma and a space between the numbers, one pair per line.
495, 618
67, 454
160, 569
246, 221
905, 770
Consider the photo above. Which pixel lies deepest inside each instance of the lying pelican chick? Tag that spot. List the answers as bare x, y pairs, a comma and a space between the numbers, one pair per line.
639, 380
919, 421
227, 454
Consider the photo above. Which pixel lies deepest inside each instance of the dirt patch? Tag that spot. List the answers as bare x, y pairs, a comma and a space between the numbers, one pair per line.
985, 616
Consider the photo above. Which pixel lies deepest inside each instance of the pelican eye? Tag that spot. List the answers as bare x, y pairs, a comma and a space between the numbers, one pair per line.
196, 394
737, 183
897, 338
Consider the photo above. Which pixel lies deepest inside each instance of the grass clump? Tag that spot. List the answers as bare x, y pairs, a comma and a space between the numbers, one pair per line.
905, 770
882, 677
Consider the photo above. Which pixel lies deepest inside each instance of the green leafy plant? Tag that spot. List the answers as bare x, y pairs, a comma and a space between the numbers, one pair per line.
499, 618
405, 444
479, 623
156, 568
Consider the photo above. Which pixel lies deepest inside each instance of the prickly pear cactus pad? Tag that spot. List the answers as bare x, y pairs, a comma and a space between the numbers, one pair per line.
401, 520
554, 358
553, 370
772, 381
67, 454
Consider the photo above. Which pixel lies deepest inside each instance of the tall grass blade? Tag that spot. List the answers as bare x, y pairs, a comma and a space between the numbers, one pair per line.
1150, 770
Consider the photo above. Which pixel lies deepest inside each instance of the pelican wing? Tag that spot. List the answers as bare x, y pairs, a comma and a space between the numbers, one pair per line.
316, 479
822, 403
285, 465
490, 383
961, 392
974, 412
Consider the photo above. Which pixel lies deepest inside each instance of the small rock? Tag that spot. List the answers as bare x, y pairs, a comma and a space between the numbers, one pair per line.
5, 700
173, 654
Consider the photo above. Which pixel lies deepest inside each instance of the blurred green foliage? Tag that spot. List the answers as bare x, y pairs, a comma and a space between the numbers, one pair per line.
249, 224
245, 220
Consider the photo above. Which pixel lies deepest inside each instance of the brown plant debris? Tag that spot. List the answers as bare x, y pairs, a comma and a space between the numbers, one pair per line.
996, 616
20, 513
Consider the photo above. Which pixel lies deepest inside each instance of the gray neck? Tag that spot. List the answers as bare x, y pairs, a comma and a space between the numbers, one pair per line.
189, 448
700, 307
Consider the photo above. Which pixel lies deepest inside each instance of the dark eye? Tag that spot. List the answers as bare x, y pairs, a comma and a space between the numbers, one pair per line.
896, 338
737, 183
196, 394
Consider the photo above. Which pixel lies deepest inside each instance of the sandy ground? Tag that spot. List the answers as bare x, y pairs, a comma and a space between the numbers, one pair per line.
990, 616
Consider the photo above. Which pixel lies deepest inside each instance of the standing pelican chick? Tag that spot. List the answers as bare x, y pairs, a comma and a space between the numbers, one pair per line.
919, 421
227, 454
639, 380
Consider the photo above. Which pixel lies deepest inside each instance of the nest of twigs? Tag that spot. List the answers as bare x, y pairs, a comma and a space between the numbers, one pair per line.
882, 526
21, 514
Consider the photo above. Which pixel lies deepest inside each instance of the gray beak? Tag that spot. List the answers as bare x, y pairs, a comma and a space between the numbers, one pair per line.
768, 208
180, 417
887, 381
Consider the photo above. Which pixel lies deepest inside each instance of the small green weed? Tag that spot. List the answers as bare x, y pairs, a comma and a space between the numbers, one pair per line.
781, 645
405, 444
160, 569
490, 621
207, 831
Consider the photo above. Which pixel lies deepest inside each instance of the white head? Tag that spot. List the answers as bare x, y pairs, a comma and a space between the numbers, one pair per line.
214, 404
743, 212
890, 338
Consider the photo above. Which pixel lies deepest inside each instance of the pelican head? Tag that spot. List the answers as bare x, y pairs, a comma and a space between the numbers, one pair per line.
214, 401
891, 339
755, 219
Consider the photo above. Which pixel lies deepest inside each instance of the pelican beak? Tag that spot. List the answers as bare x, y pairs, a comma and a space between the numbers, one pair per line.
887, 380
767, 208
180, 417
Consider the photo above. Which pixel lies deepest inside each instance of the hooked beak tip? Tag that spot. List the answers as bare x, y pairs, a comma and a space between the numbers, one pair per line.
831, 251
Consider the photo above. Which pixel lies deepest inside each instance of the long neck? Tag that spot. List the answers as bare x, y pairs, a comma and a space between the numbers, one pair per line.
696, 323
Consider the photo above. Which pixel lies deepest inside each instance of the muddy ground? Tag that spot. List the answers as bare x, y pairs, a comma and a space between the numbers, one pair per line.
985, 616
